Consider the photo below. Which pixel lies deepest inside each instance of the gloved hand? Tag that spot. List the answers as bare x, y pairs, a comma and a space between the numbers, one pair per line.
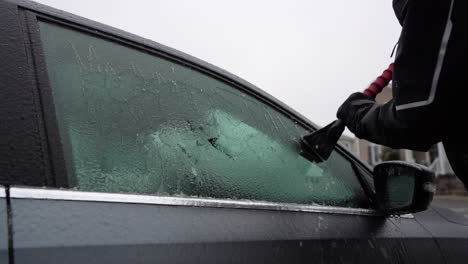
353, 110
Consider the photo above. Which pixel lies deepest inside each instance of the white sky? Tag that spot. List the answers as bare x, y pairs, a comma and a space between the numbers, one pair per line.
309, 54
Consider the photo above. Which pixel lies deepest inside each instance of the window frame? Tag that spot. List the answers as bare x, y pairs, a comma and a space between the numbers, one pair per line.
33, 13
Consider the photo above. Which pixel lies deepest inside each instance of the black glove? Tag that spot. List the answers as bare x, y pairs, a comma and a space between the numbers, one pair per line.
354, 109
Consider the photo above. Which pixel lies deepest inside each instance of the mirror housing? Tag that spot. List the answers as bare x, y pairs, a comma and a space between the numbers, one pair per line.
403, 187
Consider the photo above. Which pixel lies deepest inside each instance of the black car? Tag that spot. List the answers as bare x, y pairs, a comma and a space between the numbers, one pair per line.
116, 149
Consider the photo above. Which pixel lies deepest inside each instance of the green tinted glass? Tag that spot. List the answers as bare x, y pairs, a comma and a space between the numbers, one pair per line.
400, 190
134, 122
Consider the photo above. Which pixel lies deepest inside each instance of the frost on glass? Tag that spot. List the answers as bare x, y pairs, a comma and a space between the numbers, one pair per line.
133, 122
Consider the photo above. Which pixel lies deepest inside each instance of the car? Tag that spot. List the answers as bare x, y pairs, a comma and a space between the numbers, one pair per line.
117, 149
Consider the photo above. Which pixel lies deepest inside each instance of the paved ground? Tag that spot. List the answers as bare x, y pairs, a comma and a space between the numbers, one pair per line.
457, 205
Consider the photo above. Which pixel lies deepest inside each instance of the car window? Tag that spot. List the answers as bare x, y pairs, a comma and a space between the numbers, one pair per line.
138, 123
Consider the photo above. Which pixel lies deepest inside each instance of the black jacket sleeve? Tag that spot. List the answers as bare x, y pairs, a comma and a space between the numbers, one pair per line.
382, 124
413, 118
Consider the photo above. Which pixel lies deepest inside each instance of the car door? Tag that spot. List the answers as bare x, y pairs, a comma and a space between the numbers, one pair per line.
168, 159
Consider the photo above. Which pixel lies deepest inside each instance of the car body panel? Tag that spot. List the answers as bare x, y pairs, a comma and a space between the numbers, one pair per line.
4, 257
451, 236
122, 231
455, 211
419, 243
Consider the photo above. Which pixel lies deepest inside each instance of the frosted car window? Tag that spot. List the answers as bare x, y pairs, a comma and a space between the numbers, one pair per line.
133, 122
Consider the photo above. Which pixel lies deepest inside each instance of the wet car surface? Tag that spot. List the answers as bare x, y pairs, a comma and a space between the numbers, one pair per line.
457, 206
116, 149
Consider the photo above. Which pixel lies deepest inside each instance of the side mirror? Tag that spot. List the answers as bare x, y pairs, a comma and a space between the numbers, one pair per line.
403, 187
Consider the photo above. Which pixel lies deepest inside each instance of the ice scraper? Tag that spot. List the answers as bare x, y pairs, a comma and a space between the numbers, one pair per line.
318, 145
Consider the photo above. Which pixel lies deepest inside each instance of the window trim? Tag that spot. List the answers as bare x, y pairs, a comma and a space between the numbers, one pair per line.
25, 156
39, 68
19, 192
37, 12
22, 192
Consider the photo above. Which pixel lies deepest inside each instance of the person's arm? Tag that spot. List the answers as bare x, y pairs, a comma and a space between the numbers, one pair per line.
382, 124
413, 119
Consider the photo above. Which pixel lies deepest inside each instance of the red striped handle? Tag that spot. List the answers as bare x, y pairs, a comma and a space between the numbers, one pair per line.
377, 86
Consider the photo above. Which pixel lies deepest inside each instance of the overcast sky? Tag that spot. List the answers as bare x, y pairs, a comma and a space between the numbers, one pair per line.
309, 54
